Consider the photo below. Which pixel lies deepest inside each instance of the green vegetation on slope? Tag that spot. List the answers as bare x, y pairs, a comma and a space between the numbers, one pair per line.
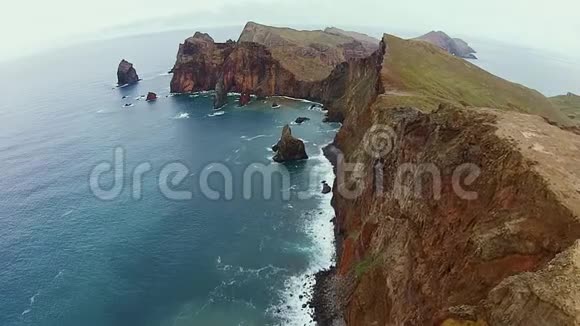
419, 72
569, 104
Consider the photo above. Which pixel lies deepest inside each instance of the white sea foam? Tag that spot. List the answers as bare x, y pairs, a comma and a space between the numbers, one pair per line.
128, 105
25, 312
254, 137
320, 229
216, 114
33, 298
182, 115
67, 213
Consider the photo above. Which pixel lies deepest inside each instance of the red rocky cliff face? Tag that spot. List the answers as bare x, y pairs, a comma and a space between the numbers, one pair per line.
252, 68
199, 63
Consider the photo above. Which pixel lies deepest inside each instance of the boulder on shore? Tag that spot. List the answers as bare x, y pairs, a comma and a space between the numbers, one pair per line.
151, 97
289, 148
126, 73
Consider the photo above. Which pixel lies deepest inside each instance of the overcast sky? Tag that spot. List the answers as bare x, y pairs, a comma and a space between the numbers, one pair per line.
30, 25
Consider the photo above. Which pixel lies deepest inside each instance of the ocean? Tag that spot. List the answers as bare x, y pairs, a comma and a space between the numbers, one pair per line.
68, 257
148, 254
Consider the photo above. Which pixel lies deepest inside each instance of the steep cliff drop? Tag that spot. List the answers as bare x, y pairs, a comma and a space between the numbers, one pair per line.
456, 215
126, 73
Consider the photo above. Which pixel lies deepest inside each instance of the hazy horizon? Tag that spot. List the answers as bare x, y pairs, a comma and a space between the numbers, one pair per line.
545, 25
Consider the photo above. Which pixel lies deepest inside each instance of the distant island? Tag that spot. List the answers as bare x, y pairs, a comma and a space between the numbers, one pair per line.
455, 46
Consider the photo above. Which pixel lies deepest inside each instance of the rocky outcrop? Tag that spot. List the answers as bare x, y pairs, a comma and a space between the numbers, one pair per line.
151, 97
199, 62
289, 148
126, 73
301, 120
455, 46
326, 189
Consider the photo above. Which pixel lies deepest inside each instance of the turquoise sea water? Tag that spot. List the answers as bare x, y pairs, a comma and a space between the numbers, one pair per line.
69, 258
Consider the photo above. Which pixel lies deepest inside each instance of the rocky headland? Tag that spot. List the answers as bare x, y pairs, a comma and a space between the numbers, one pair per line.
464, 206
455, 46
126, 73
266, 61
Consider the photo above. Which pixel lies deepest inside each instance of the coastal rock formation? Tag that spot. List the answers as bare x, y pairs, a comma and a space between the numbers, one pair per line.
289, 148
455, 46
198, 64
266, 61
457, 214
151, 97
126, 73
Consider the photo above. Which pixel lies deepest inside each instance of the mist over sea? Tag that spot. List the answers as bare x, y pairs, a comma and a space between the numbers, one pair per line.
69, 258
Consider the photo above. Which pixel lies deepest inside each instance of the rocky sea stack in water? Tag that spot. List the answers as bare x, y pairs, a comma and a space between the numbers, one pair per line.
151, 97
455, 46
126, 73
289, 148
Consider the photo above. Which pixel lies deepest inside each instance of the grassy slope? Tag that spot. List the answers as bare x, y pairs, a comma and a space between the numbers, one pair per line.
568, 104
421, 74
289, 52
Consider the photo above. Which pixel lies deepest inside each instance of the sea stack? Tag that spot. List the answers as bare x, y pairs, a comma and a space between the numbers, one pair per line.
289, 148
151, 97
126, 73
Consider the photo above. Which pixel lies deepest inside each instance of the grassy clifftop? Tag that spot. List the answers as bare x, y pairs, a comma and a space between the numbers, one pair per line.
421, 74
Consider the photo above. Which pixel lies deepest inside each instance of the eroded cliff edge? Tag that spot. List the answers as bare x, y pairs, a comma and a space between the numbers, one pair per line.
425, 242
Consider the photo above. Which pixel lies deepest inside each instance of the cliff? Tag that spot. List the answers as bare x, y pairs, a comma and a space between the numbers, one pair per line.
461, 203
269, 61
198, 64
456, 214
455, 46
